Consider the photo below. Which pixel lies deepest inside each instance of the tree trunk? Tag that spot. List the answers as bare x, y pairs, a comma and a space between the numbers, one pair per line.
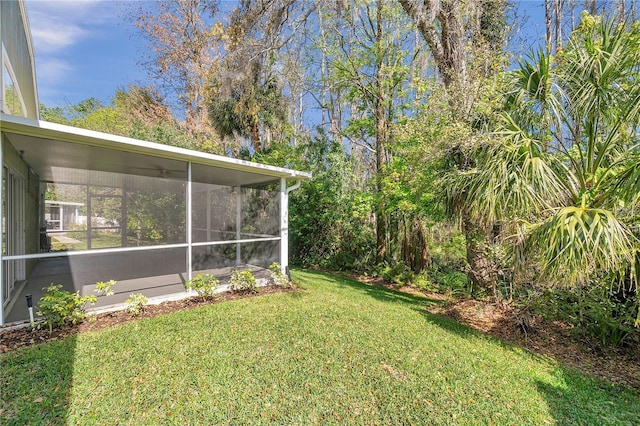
382, 132
442, 24
255, 136
558, 24
547, 24
621, 11
414, 251
482, 270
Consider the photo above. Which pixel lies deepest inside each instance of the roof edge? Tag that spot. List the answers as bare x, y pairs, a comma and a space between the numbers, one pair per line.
64, 133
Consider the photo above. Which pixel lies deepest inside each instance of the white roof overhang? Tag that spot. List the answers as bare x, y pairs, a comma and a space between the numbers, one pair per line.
49, 146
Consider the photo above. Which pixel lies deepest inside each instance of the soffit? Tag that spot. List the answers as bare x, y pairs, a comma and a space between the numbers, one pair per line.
49, 147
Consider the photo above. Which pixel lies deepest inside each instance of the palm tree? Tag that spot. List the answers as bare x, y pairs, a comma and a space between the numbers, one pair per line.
564, 165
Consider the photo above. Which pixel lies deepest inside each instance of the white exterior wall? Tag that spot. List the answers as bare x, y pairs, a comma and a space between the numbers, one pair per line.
17, 55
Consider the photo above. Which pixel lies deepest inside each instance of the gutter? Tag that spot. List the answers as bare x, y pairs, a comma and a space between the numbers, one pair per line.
294, 187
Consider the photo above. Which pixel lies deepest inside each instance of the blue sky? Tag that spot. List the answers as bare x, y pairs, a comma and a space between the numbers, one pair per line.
83, 48
86, 48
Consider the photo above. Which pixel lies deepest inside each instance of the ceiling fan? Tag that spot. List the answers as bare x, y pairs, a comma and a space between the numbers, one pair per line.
159, 171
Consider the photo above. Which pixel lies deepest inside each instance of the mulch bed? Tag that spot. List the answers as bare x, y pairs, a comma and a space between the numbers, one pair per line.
12, 339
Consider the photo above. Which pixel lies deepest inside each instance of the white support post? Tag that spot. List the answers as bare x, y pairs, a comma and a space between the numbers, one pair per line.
89, 215
189, 225
2, 242
238, 192
284, 223
208, 218
284, 226
123, 217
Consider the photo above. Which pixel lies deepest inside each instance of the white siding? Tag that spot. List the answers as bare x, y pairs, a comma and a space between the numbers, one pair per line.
17, 50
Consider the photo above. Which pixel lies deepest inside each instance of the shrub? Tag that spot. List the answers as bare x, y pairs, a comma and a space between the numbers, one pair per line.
398, 274
451, 282
243, 281
204, 284
105, 288
276, 276
596, 311
456, 282
60, 307
423, 280
449, 248
135, 304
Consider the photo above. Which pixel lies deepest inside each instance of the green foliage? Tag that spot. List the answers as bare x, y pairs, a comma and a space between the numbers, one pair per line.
104, 288
135, 304
330, 215
559, 173
243, 281
397, 273
204, 284
455, 281
155, 217
447, 281
61, 307
595, 311
277, 277
574, 117
247, 106
448, 248
581, 242
12, 100
136, 112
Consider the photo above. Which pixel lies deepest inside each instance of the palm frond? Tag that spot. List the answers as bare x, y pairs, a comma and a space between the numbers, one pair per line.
626, 183
576, 243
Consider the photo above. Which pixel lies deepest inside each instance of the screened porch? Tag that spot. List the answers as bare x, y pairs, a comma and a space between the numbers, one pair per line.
81, 207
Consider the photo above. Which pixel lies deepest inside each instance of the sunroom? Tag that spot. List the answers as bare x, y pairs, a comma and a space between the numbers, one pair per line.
80, 207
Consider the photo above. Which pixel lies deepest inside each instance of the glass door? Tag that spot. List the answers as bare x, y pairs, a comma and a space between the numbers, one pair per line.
13, 231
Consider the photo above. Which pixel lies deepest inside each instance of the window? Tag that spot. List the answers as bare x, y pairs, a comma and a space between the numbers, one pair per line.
11, 98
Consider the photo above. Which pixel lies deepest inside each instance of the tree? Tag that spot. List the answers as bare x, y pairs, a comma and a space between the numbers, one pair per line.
330, 214
451, 29
137, 112
182, 49
372, 68
248, 100
566, 168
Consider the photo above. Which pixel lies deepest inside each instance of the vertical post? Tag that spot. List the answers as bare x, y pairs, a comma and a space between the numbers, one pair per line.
42, 188
209, 218
284, 226
238, 192
124, 219
2, 242
88, 217
189, 224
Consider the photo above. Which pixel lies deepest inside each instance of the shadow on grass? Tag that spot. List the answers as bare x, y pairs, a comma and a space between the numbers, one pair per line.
582, 400
418, 303
35, 383
382, 294
578, 399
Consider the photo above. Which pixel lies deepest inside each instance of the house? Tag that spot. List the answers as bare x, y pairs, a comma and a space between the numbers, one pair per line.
81, 206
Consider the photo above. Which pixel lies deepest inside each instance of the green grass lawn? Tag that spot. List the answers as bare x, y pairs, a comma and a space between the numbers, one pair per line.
336, 352
98, 240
